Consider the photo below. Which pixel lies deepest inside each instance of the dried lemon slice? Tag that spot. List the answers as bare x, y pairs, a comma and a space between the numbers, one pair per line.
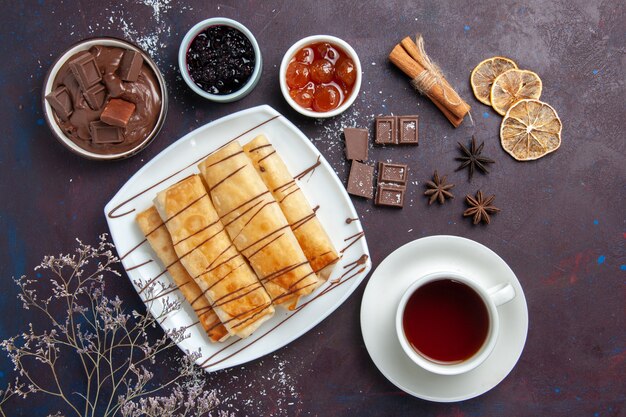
512, 86
530, 130
485, 73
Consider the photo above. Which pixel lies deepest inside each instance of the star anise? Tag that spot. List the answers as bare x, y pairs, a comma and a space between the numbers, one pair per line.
438, 189
472, 158
480, 207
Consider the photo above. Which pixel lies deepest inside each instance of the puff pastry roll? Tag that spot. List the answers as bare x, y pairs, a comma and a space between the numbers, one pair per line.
305, 225
257, 226
211, 259
159, 239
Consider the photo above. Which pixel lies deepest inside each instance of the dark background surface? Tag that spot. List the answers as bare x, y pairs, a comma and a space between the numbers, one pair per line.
561, 228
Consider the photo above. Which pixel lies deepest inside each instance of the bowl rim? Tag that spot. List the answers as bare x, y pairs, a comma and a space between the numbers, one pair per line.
479, 356
292, 51
49, 81
186, 43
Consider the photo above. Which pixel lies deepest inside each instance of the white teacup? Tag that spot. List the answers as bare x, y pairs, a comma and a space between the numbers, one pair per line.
491, 297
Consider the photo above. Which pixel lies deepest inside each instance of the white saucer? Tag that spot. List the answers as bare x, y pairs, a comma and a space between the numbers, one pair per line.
391, 279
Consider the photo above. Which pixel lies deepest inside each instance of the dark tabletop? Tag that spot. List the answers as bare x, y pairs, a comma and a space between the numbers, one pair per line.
561, 228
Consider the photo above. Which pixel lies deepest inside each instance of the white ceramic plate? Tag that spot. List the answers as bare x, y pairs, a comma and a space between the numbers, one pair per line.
392, 278
322, 187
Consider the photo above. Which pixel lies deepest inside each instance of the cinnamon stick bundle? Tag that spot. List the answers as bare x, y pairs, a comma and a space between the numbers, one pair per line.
426, 77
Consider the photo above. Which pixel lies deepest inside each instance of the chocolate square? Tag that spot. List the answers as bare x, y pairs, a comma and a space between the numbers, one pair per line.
130, 65
390, 195
408, 130
117, 112
102, 133
392, 173
61, 102
86, 71
95, 96
361, 180
356, 143
386, 131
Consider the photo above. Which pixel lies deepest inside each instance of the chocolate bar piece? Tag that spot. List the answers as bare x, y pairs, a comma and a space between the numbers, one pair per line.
95, 96
117, 112
392, 173
102, 133
61, 102
130, 65
356, 143
407, 130
386, 133
390, 195
361, 180
86, 71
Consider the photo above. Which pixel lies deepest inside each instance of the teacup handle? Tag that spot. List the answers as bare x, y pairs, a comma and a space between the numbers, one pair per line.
501, 293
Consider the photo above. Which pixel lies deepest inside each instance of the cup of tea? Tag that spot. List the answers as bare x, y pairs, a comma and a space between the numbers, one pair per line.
448, 324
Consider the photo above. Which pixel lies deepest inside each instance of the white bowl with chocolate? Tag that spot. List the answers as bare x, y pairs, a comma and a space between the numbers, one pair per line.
104, 98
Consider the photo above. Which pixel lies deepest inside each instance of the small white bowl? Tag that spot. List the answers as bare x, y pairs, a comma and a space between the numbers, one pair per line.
49, 82
316, 39
184, 70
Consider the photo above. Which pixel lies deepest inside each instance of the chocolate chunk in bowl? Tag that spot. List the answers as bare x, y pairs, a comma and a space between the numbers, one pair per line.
86, 80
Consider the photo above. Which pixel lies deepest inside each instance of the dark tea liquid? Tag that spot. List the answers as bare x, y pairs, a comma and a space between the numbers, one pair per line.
446, 321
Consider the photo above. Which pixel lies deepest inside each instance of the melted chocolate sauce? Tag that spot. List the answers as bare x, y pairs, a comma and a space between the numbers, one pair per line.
198, 231
145, 94
224, 262
133, 249
264, 237
139, 265
267, 203
266, 245
288, 194
266, 156
201, 243
185, 208
244, 203
266, 306
287, 184
354, 239
225, 159
260, 147
299, 223
218, 301
219, 256
217, 184
310, 169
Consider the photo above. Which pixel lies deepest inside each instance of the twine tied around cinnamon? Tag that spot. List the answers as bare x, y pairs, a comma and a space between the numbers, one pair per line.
428, 79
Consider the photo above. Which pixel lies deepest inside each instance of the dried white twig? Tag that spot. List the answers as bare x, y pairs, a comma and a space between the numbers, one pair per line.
111, 346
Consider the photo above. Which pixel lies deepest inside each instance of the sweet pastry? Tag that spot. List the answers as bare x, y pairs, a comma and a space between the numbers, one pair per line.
211, 258
305, 225
159, 239
257, 226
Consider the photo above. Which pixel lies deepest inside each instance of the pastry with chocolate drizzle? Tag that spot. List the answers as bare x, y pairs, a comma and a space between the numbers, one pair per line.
253, 219
210, 257
160, 241
304, 223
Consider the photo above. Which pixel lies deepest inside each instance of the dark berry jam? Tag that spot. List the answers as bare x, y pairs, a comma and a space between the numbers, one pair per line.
220, 60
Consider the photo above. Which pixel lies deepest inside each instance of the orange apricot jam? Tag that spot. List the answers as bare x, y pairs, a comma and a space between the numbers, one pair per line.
320, 77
